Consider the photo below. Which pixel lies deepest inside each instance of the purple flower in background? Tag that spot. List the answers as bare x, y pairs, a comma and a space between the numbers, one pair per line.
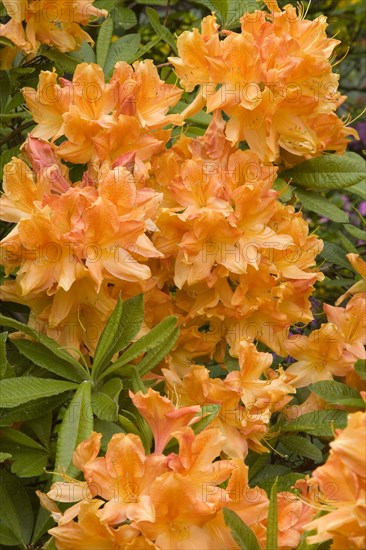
362, 208
359, 145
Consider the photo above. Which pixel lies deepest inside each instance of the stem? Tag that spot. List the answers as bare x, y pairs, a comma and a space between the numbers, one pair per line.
17, 131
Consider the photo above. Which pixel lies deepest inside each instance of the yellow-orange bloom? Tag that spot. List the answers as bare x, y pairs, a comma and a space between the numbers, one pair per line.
103, 121
274, 80
339, 488
52, 23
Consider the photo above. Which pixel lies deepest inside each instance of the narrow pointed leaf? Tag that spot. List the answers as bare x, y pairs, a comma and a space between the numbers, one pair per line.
43, 357
104, 407
76, 426
329, 172
272, 524
104, 41
3, 359
320, 423
123, 325
149, 341
337, 393
160, 30
42, 338
16, 391
123, 49
242, 534
154, 356
302, 447
320, 205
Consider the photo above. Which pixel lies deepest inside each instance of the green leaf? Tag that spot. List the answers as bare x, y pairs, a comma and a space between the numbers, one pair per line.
42, 427
5, 41
359, 189
347, 244
122, 50
124, 17
158, 2
338, 283
50, 545
137, 383
3, 360
29, 463
4, 456
85, 54
242, 534
10, 116
6, 157
208, 414
16, 438
45, 358
4, 90
284, 482
360, 368
337, 393
44, 522
160, 30
328, 172
230, 11
113, 388
127, 425
333, 254
321, 206
29, 457
104, 41
222, 6
156, 337
266, 476
154, 356
7, 537
272, 524
257, 466
145, 49
284, 189
104, 407
76, 426
302, 447
319, 423
105, 402
122, 326
32, 409
16, 509
103, 352
355, 232
43, 339
63, 60
16, 391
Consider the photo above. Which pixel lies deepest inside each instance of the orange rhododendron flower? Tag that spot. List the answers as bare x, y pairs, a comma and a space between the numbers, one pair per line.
338, 487
246, 399
274, 80
52, 23
100, 120
153, 500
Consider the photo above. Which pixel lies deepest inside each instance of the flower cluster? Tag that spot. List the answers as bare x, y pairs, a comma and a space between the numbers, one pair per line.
35, 22
339, 488
241, 262
274, 80
103, 121
72, 243
129, 496
333, 349
247, 397
111, 198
